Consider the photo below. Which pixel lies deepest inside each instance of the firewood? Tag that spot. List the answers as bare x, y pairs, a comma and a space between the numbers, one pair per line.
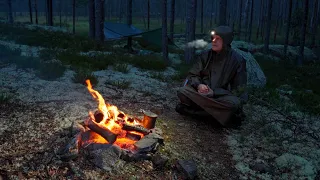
102, 131
139, 129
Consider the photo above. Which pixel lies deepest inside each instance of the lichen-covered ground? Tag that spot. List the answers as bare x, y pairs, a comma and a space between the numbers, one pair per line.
38, 120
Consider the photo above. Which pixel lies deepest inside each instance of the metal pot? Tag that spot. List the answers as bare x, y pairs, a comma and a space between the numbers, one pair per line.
149, 119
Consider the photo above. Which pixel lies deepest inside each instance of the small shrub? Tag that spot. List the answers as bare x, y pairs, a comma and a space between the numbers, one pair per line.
150, 62
5, 97
160, 76
121, 84
98, 62
51, 71
82, 75
122, 67
47, 54
50, 39
23, 62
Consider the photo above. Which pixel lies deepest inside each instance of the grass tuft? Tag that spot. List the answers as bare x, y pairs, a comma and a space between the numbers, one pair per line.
121, 67
121, 84
81, 75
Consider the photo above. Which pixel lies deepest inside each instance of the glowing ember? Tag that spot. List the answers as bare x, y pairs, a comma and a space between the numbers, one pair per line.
113, 120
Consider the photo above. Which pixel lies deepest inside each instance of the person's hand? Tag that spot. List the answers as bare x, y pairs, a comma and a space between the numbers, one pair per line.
202, 88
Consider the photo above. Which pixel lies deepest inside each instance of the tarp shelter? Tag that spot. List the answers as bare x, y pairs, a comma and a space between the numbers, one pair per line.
118, 30
114, 31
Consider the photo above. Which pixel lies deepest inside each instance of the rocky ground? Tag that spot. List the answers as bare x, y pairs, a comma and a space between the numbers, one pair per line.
36, 123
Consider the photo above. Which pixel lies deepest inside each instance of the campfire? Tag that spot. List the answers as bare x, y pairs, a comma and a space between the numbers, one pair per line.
110, 126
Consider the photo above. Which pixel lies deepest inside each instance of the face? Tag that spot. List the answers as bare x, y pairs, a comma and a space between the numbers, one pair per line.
217, 43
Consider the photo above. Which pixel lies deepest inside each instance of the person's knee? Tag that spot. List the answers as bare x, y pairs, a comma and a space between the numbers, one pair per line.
183, 98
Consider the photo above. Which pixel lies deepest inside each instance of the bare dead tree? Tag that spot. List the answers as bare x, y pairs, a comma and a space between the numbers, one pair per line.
73, 16
10, 15
267, 32
30, 10
60, 12
260, 19
172, 18
99, 20
223, 12
164, 31
92, 26
36, 10
240, 19
129, 22
286, 41
50, 12
250, 22
303, 33
246, 18
148, 15
190, 29
201, 16
314, 23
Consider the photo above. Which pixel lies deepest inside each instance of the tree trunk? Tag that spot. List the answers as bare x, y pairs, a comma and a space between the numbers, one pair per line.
277, 22
36, 10
148, 14
30, 11
50, 13
240, 19
211, 14
246, 19
260, 19
190, 27
286, 41
201, 16
10, 15
129, 23
164, 32
74, 16
92, 26
267, 32
60, 12
251, 19
99, 20
314, 23
172, 19
223, 12
303, 33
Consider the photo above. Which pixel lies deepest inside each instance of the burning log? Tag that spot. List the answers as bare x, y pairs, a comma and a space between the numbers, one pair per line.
139, 129
133, 136
102, 131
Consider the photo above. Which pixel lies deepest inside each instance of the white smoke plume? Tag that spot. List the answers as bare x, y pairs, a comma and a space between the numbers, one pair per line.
199, 43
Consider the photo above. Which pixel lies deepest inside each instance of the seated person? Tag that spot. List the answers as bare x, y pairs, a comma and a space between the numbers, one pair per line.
216, 84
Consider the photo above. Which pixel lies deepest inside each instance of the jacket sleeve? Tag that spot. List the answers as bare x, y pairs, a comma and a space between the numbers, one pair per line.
194, 75
239, 81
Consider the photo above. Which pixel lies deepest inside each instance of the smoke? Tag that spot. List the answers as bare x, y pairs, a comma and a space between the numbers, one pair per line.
199, 43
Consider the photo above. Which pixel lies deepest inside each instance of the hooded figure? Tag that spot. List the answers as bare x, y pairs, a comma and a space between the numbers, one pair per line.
216, 84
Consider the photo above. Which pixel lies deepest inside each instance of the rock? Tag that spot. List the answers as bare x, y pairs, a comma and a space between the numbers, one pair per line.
296, 164
70, 151
159, 161
129, 157
261, 167
106, 159
256, 77
188, 167
308, 91
148, 142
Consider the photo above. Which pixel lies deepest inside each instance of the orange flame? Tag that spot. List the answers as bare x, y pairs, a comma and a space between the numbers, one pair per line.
110, 116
